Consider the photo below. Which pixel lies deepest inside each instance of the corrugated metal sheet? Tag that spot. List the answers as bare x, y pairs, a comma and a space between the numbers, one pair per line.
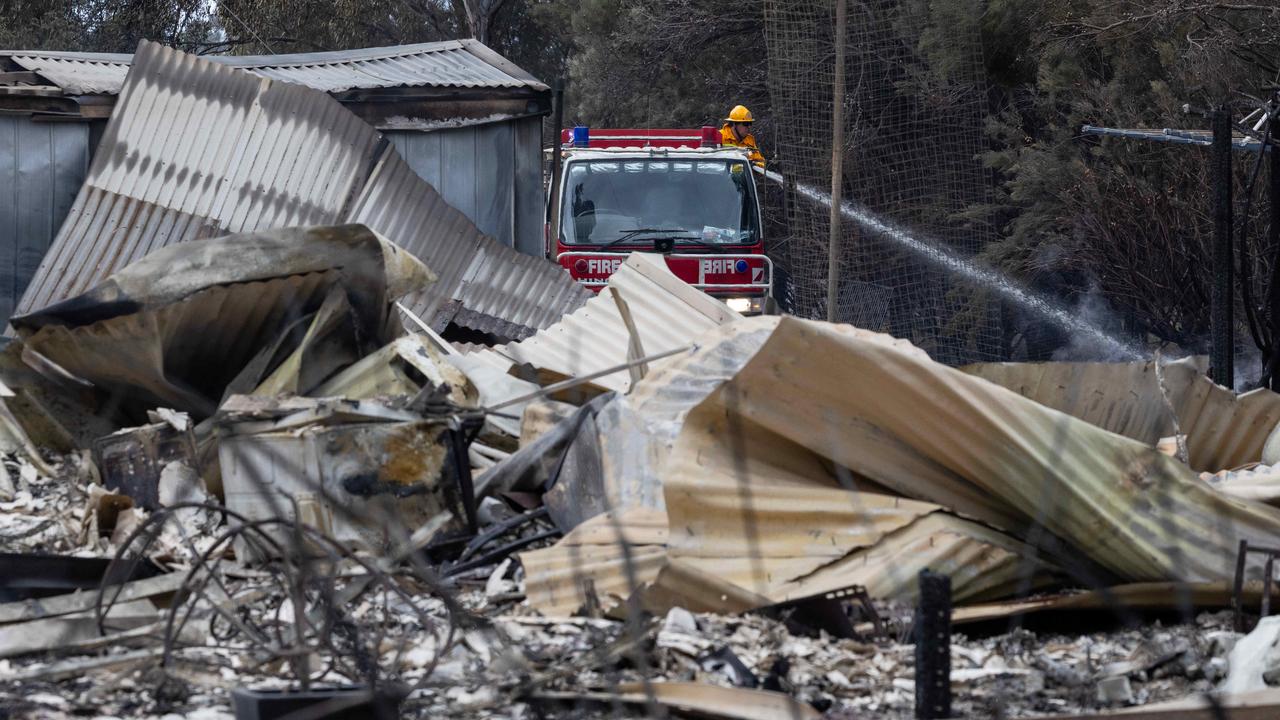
668, 314
513, 295
404, 207
481, 284
927, 431
452, 63
195, 149
1223, 430
42, 165
555, 576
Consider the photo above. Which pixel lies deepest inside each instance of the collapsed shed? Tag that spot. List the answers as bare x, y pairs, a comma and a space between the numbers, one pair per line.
464, 119
197, 149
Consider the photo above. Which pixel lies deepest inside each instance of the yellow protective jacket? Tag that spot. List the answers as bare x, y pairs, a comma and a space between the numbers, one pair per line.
727, 138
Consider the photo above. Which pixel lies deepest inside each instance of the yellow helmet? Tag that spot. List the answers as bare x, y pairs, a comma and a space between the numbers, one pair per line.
740, 114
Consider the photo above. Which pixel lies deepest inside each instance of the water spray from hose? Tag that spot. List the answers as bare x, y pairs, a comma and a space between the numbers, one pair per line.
984, 277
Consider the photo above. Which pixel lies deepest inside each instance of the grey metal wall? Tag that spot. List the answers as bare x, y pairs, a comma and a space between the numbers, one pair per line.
42, 165
491, 172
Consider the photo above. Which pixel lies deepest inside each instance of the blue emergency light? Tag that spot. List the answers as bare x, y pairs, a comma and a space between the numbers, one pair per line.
581, 136
740, 266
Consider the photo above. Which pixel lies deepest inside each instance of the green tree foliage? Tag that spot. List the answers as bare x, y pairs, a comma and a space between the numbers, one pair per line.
103, 25
667, 63
1126, 218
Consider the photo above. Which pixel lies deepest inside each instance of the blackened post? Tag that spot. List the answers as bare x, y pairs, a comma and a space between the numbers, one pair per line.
1237, 589
1273, 242
837, 162
553, 209
1221, 324
462, 467
933, 647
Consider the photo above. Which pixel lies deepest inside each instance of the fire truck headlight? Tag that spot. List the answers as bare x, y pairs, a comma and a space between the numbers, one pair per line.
744, 305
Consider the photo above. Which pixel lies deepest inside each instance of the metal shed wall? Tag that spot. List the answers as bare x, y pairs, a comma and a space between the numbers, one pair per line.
491, 172
42, 165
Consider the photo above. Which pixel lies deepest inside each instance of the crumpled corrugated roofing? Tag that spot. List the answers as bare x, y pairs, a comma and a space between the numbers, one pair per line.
494, 289
197, 149
778, 482
453, 63
1223, 430
668, 314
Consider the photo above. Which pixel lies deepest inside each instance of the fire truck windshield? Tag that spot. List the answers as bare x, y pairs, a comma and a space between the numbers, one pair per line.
710, 201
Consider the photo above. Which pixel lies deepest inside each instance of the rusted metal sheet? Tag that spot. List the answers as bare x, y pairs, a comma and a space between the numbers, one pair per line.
556, 576
131, 460
341, 467
452, 63
791, 472
178, 327
196, 149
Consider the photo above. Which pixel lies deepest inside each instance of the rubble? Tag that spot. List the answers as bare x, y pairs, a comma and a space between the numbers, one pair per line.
249, 468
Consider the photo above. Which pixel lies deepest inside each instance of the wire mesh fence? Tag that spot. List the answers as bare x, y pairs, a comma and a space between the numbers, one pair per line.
915, 102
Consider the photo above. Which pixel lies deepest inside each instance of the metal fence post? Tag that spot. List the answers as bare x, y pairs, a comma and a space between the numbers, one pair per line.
1221, 322
933, 647
837, 160
553, 208
1273, 242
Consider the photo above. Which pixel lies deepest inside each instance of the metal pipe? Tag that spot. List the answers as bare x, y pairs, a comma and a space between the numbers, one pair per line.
837, 160
557, 118
1221, 321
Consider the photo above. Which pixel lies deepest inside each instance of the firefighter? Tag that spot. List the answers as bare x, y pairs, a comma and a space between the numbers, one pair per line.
737, 133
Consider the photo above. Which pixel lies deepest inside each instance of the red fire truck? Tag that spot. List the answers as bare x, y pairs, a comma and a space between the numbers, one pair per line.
675, 192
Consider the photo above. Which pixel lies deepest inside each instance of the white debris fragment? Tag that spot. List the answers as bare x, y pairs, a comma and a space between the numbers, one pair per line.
7, 488
176, 419
1248, 659
127, 521
680, 621
498, 584
180, 484
1115, 690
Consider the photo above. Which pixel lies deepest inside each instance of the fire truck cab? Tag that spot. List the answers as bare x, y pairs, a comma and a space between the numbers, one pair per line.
674, 192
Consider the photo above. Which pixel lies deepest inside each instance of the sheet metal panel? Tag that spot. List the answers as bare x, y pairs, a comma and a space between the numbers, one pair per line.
481, 283
458, 170
492, 172
1223, 430
404, 207
42, 165
529, 211
668, 314
495, 183
452, 63
8, 210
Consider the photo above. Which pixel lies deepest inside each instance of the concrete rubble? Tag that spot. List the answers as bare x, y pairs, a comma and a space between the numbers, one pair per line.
243, 466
